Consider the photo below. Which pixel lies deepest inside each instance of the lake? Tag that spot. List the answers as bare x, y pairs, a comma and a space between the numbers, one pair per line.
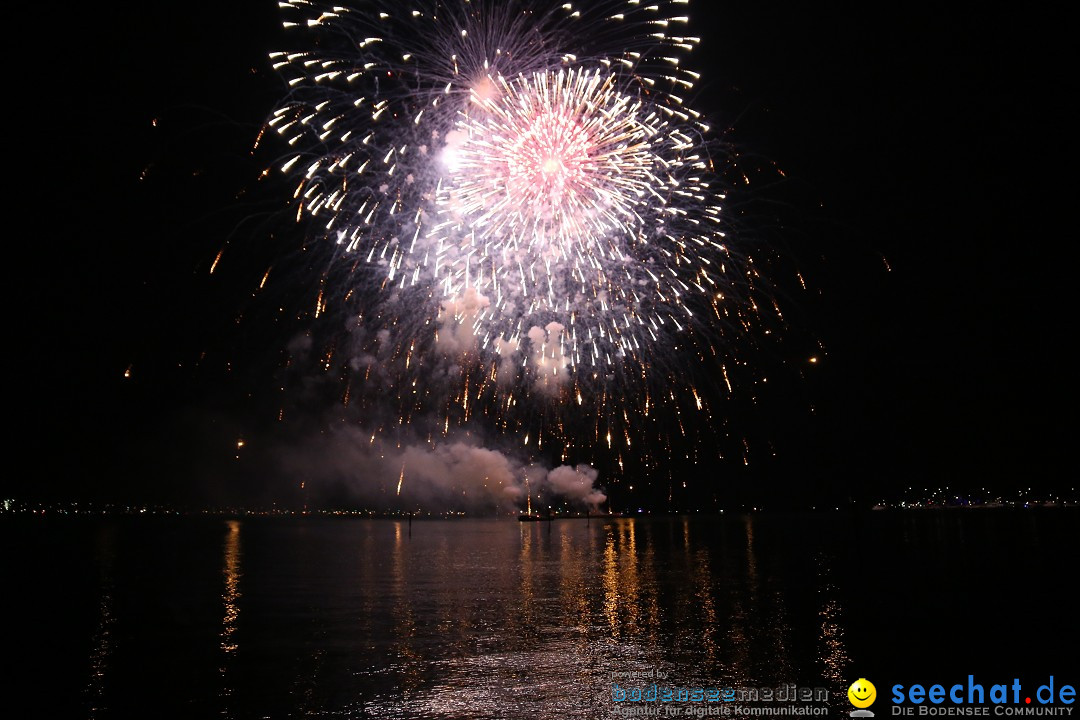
491, 618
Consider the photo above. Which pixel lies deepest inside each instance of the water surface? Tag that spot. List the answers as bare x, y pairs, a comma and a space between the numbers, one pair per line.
332, 617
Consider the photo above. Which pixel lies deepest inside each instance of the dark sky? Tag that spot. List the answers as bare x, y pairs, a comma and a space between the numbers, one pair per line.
925, 200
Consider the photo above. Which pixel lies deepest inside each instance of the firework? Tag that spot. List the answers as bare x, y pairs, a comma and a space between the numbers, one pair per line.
526, 220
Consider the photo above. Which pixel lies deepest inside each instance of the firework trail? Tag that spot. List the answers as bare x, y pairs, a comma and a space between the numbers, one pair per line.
526, 221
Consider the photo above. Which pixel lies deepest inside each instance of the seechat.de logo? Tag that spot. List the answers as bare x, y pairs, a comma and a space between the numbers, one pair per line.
862, 695
978, 698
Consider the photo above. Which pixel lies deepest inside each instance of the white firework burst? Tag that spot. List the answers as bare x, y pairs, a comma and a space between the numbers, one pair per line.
564, 189
524, 204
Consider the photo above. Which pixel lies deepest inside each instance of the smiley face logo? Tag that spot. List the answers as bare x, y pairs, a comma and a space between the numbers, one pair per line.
862, 693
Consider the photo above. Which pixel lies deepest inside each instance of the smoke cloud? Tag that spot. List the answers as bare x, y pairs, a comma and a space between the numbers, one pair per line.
457, 334
576, 482
549, 364
456, 475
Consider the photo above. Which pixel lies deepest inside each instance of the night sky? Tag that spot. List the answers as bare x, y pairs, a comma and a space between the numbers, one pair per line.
925, 200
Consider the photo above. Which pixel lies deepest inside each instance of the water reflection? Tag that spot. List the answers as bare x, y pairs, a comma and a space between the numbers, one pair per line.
611, 582
703, 598
230, 598
492, 619
833, 653
407, 660
527, 562
573, 584
102, 642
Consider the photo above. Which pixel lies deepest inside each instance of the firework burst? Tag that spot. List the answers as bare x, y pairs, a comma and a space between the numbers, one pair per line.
526, 219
